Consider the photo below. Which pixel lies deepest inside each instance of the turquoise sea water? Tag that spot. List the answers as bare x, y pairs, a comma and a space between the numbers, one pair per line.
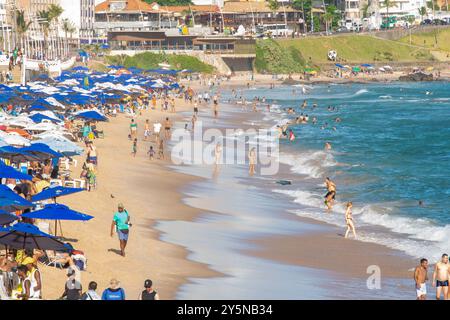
391, 149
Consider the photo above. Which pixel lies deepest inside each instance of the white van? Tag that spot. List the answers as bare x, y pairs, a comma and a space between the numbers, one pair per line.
274, 30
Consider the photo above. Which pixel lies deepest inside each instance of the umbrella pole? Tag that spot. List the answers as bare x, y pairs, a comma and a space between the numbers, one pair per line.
56, 226
60, 228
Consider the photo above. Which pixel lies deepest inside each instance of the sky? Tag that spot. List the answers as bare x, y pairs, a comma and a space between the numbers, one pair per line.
72, 10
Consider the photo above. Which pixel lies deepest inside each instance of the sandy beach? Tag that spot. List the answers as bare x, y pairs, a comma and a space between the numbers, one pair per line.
151, 192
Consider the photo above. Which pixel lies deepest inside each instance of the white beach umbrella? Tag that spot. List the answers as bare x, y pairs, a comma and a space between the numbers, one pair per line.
43, 126
15, 139
19, 122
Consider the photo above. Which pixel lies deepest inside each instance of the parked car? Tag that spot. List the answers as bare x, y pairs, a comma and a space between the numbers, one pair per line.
426, 22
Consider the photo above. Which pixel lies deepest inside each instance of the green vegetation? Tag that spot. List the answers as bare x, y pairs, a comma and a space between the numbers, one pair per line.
435, 39
149, 60
355, 49
273, 58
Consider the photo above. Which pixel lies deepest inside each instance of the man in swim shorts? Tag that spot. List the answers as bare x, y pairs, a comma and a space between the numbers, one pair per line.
440, 277
421, 277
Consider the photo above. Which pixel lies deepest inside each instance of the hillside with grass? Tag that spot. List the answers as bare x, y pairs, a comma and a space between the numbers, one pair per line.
273, 58
436, 39
355, 49
149, 60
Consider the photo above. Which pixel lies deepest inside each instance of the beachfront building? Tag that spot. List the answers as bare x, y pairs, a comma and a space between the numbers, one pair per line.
5, 21
250, 14
130, 15
87, 16
401, 8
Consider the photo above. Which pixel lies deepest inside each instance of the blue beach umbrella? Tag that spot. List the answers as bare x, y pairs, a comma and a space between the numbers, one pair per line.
57, 212
67, 148
91, 115
27, 236
38, 117
55, 192
7, 218
42, 151
11, 201
339, 65
16, 154
80, 68
10, 172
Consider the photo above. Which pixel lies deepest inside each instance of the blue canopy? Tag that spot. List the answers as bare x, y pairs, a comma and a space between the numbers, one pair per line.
7, 218
57, 212
54, 193
366, 65
91, 115
37, 107
28, 236
68, 148
80, 68
11, 201
42, 151
38, 117
116, 67
163, 71
16, 154
10, 172
339, 65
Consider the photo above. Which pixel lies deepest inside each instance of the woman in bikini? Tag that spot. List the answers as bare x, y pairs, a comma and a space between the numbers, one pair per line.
349, 220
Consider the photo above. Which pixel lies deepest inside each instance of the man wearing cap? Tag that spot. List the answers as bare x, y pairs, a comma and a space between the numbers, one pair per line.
148, 293
121, 222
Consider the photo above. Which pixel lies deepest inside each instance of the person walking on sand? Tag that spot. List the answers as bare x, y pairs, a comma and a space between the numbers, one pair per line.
146, 130
331, 194
421, 278
218, 154
216, 106
121, 222
148, 293
161, 149
252, 161
167, 127
133, 129
349, 220
440, 277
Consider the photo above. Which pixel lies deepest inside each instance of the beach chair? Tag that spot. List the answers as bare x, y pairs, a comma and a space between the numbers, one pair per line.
56, 182
70, 183
81, 183
52, 259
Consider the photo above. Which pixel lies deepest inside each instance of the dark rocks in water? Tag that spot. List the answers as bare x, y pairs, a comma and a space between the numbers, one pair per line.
290, 81
284, 182
417, 76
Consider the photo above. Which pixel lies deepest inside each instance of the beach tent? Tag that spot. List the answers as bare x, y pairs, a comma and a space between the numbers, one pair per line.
11, 201
7, 218
28, 236
57, 212
55, 192
10, 172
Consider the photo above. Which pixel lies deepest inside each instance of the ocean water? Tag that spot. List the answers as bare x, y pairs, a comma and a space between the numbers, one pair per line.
390, 151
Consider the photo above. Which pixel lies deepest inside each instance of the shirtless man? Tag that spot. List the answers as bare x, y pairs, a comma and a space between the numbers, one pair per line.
421, 277
440, 277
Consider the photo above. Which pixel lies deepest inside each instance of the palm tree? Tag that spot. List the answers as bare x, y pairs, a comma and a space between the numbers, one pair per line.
327, 18
22, 26
422, 12
55, 12
67, 27
44, 22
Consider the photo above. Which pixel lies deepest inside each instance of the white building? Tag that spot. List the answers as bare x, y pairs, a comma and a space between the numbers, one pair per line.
403, 8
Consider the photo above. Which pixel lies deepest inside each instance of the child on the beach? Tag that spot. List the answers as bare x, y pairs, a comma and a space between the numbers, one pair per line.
134, 147
151, 153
